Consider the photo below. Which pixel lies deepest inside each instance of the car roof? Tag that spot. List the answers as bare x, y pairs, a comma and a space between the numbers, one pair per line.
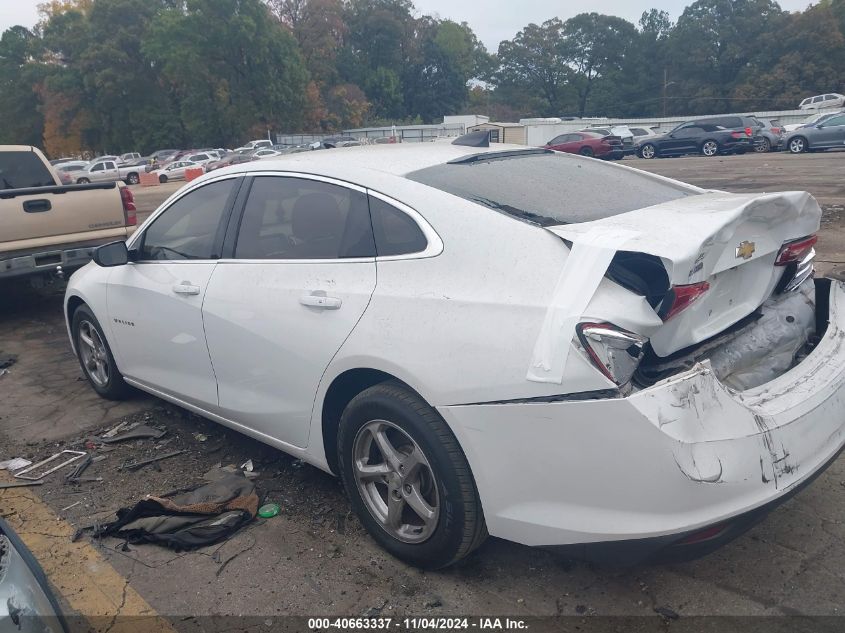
397, 159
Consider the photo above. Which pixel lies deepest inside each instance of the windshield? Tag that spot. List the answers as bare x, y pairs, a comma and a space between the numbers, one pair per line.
549, 189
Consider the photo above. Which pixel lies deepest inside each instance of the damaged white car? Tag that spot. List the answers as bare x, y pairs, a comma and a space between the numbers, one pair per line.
543, 347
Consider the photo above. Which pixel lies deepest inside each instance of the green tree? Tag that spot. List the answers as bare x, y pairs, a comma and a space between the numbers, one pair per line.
536, 62
713, 43
234, 70
19, 78
594, 46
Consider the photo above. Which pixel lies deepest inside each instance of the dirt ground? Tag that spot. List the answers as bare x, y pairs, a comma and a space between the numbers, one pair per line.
314, 557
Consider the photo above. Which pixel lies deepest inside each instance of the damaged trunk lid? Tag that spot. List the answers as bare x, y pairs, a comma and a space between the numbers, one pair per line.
720, 256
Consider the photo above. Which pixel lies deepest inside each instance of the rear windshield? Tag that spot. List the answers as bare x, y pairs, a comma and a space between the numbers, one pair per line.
20, 170
550, 189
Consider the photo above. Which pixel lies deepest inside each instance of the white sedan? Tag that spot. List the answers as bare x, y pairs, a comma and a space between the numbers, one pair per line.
543, 347
175, 171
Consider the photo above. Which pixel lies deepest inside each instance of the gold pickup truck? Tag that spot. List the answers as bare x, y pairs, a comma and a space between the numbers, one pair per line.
47, 227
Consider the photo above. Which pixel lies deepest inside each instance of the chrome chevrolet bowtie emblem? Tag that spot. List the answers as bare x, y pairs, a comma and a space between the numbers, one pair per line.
745, 250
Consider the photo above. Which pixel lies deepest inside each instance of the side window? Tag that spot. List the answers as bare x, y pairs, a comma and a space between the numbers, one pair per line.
638, 131
188, 228
557, 140
109, 166
97, 167
690, 132
396, 232
817, 99
829, 97
296, 218
837, 120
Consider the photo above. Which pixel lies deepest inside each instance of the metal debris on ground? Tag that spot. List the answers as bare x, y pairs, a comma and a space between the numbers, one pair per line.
118, 429
20, 484
218, 472
247, 466
23, 474
667, 613
141, 432
151, 460
72, 505
14, 464
7, 360
200, 437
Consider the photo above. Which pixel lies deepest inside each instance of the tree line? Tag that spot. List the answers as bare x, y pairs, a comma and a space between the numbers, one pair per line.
123, 75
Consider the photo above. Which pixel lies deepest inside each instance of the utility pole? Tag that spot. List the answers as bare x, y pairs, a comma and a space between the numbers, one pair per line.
666, 84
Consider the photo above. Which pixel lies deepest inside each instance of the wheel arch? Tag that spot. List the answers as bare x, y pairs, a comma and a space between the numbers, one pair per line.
71, 305
343, 388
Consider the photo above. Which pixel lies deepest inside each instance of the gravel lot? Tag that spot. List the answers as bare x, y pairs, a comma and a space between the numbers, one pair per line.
314, 558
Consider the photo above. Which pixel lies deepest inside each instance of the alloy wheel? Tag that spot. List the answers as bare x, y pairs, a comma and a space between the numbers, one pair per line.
710, 148
647, 151
763, 146
95, 358
796, 145
396, 481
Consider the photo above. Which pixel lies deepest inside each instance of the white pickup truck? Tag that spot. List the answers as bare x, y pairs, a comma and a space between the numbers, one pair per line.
110, 171
47, 227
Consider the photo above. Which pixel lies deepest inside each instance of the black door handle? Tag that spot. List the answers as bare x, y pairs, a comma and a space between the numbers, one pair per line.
37, 206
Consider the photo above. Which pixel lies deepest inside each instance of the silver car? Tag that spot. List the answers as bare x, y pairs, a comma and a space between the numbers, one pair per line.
826, 134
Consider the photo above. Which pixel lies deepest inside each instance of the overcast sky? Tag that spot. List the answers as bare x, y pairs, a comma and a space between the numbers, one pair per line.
492, 20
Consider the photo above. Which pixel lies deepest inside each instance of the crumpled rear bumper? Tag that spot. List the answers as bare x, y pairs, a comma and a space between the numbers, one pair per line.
667, 461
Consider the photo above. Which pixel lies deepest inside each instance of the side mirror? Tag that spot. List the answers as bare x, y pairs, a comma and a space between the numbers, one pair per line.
112, 254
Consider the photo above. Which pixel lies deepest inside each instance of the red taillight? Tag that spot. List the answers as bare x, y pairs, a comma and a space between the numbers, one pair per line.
795, 251
737, 135
679, 298
129, 208
776, 130
748, 131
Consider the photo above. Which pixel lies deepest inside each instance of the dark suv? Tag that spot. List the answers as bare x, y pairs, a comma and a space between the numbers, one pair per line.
697, 137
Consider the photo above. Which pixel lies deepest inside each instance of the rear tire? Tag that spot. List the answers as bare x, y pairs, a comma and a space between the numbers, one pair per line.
95, 356
395, 450
763, 146
162, 179
83, 181
710, 148
132, 179
586, 151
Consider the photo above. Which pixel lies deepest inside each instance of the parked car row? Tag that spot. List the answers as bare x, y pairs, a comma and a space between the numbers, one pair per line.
709, 136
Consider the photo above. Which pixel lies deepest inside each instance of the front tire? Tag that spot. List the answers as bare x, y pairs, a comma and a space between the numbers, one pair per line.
798, 145
709, 148
407, 478
162, 179
95, 356
648, 151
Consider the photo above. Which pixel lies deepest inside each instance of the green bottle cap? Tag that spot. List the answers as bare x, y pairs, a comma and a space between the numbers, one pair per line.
268, 510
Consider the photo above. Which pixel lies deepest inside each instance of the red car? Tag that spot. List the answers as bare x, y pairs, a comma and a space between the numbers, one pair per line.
588, 144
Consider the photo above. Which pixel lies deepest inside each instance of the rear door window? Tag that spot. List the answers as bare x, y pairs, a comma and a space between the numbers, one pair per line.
817, 99
396, 232
298, 218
